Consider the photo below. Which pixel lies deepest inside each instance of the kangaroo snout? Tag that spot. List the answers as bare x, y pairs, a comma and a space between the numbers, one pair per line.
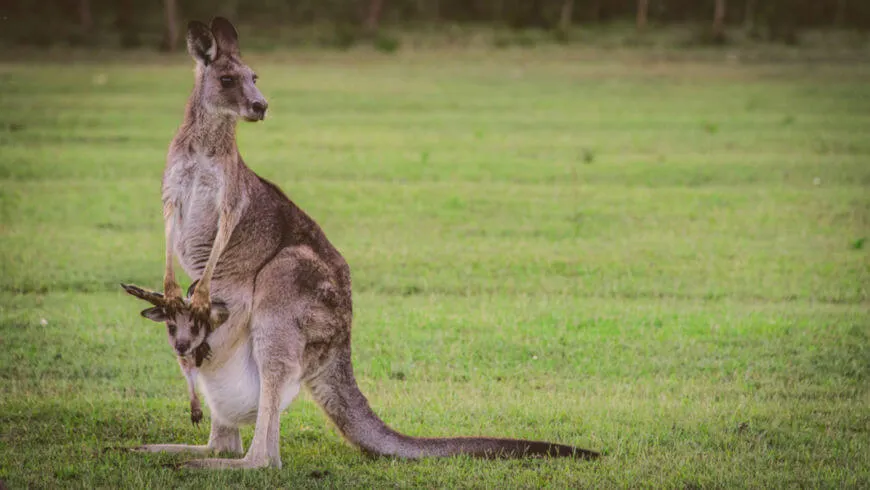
259, 109
182, 346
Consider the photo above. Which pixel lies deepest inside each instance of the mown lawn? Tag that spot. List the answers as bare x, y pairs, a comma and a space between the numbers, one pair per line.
663, 260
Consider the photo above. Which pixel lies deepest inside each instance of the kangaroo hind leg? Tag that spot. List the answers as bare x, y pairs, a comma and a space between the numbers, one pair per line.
278, 348
222, 439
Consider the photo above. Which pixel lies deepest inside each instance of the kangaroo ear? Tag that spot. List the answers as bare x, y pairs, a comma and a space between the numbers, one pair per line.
201, 43
157, 314
219, 313
226, 35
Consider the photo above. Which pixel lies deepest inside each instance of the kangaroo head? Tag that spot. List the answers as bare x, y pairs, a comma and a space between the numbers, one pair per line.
226, 85
184, 334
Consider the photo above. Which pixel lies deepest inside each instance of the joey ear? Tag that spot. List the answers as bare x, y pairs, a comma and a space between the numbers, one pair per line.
201, 43
152, 297
219, 313
226, 35
157, 314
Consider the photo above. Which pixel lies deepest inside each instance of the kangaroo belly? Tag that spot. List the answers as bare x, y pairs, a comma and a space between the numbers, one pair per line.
232, 391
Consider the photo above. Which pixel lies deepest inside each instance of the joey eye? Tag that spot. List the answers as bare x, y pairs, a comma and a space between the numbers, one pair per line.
255, 78
172, 328
194, 330
227, 81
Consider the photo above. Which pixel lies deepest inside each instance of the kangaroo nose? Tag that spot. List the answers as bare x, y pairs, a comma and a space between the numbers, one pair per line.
259, 107
182, 346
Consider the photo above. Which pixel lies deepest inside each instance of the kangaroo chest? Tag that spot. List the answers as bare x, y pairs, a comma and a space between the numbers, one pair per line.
194, 188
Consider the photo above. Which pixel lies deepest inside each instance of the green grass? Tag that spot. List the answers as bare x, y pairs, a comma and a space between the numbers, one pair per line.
663, 260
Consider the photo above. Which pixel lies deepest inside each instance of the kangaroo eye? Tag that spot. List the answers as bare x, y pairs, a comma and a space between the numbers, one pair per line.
255, 77
227, 81
172, 328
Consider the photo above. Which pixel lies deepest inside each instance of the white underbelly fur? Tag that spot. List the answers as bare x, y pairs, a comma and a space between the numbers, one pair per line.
232, 391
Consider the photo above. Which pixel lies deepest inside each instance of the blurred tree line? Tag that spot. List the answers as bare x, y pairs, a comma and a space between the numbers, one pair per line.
161, 23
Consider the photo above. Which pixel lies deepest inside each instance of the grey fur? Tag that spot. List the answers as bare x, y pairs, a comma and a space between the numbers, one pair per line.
287, 289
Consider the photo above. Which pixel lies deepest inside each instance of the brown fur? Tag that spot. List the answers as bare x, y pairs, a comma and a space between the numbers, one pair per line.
287, 288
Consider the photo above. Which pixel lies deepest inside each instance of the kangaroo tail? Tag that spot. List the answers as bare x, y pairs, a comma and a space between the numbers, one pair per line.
334, 388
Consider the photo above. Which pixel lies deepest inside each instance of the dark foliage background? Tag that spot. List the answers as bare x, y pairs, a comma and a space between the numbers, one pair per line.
160, 24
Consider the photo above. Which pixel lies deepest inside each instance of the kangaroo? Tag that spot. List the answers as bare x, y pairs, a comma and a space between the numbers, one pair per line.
181, 326
286, 288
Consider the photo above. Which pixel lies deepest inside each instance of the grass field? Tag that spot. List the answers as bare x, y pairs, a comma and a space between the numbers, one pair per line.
663, 260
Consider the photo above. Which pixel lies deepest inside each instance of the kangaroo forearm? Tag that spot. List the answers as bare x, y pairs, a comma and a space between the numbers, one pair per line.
169, 270
226, 223
170, 285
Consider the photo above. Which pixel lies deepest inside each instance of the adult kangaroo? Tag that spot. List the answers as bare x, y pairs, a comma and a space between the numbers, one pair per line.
286, 288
